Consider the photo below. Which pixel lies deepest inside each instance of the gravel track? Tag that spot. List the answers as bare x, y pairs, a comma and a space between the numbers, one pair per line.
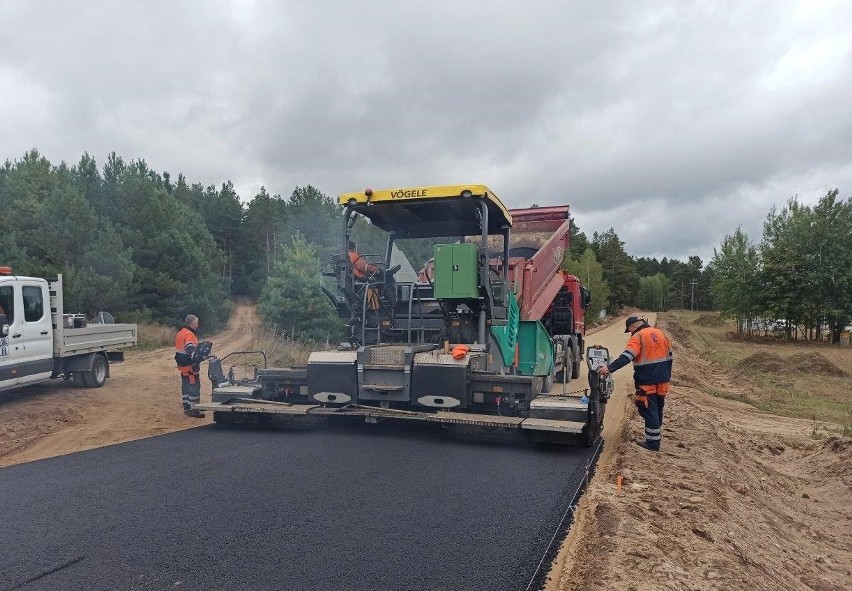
334, 507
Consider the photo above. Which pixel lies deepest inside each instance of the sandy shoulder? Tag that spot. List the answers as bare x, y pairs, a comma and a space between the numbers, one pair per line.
140, 399
737, 499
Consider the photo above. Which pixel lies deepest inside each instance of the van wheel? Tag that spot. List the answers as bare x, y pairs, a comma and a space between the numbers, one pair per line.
97, 376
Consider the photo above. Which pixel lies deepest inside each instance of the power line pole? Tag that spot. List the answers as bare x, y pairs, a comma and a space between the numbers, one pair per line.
692, 285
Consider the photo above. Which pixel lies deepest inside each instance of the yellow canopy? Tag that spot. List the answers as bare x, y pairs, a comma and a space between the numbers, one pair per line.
420, 212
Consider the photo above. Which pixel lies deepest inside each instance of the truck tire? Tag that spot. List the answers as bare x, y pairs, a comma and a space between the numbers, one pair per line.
575, 367
97, 376
567, 369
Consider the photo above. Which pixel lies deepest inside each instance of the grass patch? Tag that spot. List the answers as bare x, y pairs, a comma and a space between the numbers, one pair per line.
154, 336
282, 351
795, 379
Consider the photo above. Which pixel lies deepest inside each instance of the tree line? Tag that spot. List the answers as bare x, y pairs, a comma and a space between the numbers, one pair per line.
125, 238
147, 246
798, 279
144, 245
618, 279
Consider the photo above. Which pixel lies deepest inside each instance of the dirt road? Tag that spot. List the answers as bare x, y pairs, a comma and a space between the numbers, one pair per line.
141, 398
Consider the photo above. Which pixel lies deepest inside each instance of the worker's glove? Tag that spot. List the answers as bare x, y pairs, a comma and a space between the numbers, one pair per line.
393, 270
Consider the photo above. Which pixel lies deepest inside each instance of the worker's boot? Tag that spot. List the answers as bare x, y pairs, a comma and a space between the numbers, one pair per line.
195, 413
644, 444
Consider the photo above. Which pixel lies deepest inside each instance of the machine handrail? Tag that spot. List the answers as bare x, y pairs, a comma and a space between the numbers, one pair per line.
416, 286
262, 353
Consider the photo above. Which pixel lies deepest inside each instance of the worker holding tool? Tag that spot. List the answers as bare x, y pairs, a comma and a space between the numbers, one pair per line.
186, 348
650, 350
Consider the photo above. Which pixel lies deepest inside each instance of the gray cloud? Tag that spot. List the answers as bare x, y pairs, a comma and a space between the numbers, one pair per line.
673, 123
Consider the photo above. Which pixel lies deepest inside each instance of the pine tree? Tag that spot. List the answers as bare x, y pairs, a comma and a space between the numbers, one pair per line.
617, 265
587, 269
292, 300
736, 267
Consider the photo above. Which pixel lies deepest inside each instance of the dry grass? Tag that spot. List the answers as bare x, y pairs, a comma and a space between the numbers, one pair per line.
154, 336
711, 320
796, 379
282, 351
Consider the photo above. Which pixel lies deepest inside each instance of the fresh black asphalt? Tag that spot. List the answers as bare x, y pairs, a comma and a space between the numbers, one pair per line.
328, 508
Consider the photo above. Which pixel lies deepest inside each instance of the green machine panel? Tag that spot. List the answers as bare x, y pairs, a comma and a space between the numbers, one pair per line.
535, 355
456, 271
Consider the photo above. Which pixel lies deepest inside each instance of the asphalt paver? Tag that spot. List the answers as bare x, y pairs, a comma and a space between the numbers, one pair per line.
326, 508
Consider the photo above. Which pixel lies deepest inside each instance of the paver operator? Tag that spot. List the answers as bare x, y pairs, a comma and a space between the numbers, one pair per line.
650, 350
186, 343
362, 269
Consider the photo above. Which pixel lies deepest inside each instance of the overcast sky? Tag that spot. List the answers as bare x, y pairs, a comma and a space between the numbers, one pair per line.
673, 122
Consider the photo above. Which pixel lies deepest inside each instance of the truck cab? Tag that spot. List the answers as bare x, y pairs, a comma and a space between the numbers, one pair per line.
26, 345
39, 342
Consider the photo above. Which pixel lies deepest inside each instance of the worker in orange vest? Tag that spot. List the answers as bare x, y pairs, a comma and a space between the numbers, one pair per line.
186, 343
362, 268
650, 350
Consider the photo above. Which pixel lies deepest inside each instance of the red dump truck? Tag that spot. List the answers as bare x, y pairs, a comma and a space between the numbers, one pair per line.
544, 292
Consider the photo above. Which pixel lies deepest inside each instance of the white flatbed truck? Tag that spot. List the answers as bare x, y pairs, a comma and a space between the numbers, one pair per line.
38, 341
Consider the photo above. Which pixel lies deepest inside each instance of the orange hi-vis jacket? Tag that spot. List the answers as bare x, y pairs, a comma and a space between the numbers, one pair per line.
650, 350
360, 266
185, 343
